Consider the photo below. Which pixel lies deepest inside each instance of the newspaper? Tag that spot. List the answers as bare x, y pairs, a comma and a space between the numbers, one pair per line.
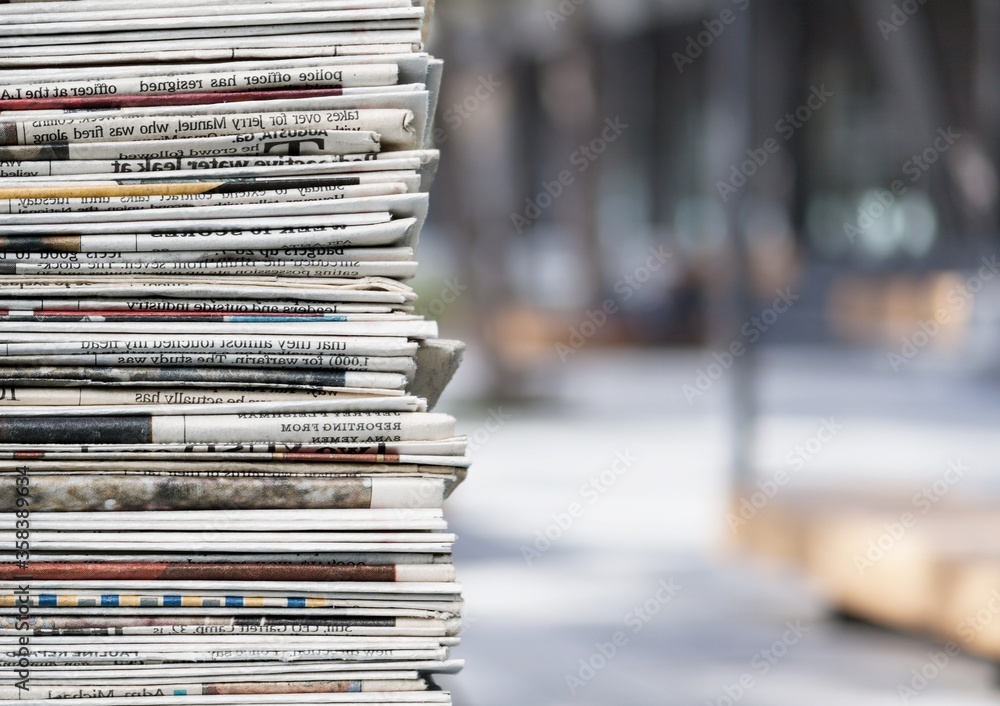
220, 653
176, 672
124, 191
172, 342
180, 644
321, 75
35, 108
297, 131
116, 317
412, 68
236, 22
44, 376
340, 608
414, 98
218, 306
361, 624
345, 699
406, 366
200, 404
99, 128
323, 46
63, 11
275, 193
24, 106
44, 108
167, 397
281, 239
327, 520
412, 327
290, 428
354, 211
71, 493
450, 451
235, 268
171, 646
323, 254
186, 219
219, 468
62, 691
235, 542
374, 558
367, 290
58, 691
27, 401
277, 625
139, 171
319, 41
285, 141
284, 466
211, 32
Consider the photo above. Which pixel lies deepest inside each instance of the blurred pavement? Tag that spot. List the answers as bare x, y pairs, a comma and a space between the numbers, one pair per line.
646, 554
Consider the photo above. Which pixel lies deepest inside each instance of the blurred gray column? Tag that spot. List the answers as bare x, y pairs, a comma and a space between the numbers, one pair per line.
729, 132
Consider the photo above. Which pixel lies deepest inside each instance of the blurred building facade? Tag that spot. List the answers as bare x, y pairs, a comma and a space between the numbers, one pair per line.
718, 152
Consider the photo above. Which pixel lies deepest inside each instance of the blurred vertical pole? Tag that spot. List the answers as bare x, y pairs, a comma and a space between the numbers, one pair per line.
585, 221
730, 74
987, 22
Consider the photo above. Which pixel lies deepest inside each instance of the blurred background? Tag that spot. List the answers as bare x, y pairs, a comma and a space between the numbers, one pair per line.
729, 272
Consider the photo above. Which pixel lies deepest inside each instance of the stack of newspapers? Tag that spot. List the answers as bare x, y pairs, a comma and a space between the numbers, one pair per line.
222, 481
